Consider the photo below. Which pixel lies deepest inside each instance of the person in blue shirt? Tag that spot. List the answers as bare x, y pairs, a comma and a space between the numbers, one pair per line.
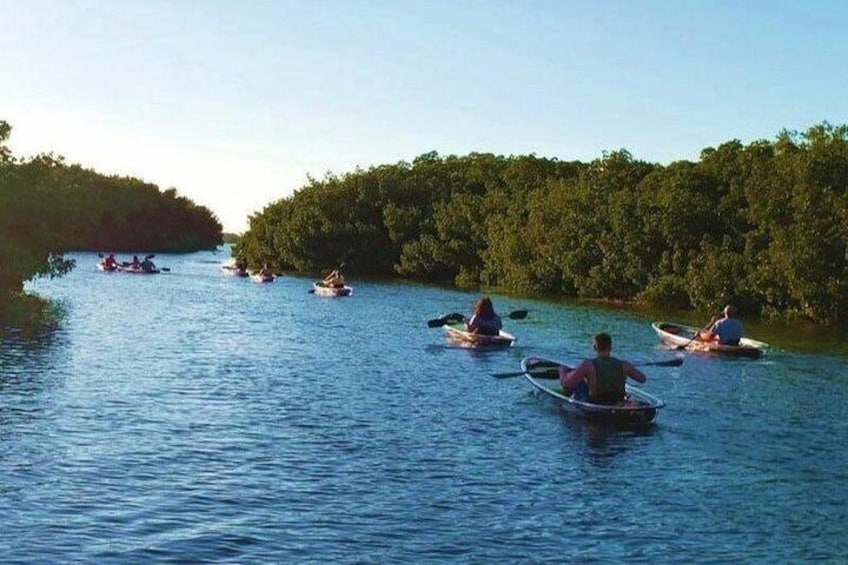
727, 329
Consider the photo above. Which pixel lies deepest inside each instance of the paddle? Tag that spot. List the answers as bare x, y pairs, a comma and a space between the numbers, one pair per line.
688, 343
439, 322
676, 362
456, 317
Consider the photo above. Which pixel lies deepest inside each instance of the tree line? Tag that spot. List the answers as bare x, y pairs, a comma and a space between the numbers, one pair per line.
761, 225
48, 207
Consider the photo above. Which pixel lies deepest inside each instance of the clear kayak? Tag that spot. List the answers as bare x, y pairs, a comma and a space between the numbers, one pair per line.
638, 407
680, 336
321, 289
457, 332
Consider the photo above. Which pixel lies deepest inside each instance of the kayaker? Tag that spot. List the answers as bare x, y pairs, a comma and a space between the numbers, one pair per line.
335, 279
135, 264
484, 320
147, 265
600, 380
110, 262
266, 271
726, 329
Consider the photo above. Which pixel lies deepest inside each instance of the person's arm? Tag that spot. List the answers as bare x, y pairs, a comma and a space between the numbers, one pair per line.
708, 333
571, 379
634, 373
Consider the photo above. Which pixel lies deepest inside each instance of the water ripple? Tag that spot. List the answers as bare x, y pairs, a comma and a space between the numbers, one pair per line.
194, 417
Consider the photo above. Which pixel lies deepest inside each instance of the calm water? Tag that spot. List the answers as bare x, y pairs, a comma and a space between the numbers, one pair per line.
195, 417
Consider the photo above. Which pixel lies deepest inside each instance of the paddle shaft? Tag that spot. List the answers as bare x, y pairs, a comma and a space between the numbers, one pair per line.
694, 337
456, 316
668, 363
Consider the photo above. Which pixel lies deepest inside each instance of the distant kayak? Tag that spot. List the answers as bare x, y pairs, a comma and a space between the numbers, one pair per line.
321, 289
638, 407
678, 335
104, 268
137, 270
260, 278
458, 333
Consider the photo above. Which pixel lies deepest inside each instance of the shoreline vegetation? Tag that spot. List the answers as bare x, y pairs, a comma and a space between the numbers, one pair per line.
29, 316
763, 226
48, 208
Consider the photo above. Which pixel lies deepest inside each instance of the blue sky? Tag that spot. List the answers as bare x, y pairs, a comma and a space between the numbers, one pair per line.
234, 103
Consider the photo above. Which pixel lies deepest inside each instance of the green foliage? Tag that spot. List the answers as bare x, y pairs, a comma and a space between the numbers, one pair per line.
761, 225
48, 207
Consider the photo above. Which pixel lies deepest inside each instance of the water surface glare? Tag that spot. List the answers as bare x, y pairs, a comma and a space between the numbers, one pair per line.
197, 417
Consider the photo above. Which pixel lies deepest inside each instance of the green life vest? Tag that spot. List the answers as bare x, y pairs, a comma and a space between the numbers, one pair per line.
610, 378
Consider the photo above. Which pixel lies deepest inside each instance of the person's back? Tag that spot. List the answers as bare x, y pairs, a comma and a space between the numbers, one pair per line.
147, 266
728, 330
334, 279
485, 326
484, 321
609, 381
600, 380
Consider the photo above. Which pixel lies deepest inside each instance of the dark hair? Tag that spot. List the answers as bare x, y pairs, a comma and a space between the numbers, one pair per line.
603, 341
484, 308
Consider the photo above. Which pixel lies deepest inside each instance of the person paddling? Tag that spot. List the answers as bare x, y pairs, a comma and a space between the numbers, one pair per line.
335, 279
265, 272
600, 380
110, 263
484, 320
726, 329
147, 265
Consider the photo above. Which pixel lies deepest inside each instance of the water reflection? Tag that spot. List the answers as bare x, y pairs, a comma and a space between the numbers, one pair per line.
604, 440
29, 321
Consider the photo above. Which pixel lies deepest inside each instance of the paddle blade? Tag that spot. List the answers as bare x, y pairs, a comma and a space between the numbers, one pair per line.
439, 322
507, 375
676, 362
518, 314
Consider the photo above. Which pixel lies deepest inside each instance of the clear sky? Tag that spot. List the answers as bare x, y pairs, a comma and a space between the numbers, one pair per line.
234, 102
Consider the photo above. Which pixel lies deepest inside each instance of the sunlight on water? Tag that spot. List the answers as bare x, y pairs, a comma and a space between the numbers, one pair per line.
192, 416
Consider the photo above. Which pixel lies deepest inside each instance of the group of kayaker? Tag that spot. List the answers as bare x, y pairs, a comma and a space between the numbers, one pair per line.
601, 380
109, 263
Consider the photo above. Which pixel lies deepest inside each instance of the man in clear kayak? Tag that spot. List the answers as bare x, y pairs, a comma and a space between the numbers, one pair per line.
727, 330
600, 380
